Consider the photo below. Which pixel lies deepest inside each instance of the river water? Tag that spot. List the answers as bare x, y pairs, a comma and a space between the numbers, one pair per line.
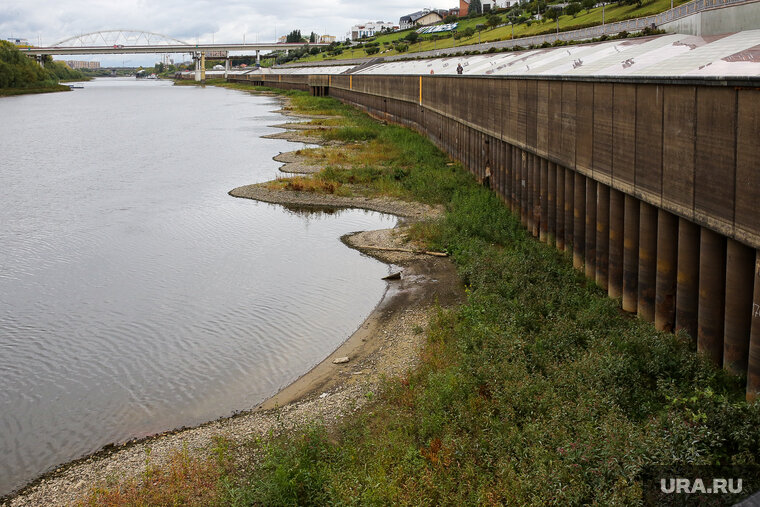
136, 296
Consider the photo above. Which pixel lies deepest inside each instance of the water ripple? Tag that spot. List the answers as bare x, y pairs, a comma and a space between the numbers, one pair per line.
135, 295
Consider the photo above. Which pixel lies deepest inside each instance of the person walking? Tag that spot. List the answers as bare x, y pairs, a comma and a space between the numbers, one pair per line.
460, 69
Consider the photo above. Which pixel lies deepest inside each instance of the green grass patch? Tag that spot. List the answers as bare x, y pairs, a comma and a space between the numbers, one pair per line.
538, 390
9, 92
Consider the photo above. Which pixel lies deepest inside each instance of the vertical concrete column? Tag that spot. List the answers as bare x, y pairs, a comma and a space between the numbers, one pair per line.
740, 268
569, 220
560, 209
531, 193
631, 254
519, 184
753, 369
524, 190
511, 177
544, 197
647, 261
579, 220
551, 202
712, 288
602, 234
687, 288
590, 250
536, 210
258, 58
617, 222
665, 283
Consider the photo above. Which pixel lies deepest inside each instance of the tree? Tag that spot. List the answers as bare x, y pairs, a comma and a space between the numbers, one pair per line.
450, 19
588, 4
573, 9
294, 36
552, 13
493, 21
313, 38
412, 37
475, 7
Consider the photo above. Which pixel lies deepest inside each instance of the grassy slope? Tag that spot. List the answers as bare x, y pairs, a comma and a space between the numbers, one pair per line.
538, 390
594, 17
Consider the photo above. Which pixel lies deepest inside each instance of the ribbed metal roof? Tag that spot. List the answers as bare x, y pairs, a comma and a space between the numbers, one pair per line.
730, 55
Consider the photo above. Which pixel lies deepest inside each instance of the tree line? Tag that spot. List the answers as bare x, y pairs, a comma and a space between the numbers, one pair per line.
19, 71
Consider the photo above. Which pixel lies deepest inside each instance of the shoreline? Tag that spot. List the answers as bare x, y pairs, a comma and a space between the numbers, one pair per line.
386, 344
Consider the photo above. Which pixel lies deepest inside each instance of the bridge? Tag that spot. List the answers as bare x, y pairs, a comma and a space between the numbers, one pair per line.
123, 41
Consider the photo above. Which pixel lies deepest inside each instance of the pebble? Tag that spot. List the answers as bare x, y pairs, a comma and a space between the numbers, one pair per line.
341, 360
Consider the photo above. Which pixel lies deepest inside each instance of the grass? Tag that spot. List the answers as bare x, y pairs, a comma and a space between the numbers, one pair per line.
537, 391
10, 92
612, 13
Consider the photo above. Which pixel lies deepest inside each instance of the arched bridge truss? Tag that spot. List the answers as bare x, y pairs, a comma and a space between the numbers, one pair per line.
122, 37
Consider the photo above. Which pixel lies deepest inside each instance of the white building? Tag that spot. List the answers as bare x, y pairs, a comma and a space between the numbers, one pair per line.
370, 29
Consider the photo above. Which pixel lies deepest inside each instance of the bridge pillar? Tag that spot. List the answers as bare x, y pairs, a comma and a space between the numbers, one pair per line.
258, 58
40, 60
226, 66
197, 62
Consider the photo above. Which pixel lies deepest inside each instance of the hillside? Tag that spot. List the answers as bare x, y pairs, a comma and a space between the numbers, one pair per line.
468, 33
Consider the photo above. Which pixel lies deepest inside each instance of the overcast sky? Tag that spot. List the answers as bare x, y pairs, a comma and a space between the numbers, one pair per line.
51, 21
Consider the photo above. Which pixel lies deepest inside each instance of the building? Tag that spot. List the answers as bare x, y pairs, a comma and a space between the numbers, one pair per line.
370, 29
488, 5
327, 39
79, 64
422, 18
19, 42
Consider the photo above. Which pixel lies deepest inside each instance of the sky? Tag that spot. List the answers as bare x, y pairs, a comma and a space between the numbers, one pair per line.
50, 21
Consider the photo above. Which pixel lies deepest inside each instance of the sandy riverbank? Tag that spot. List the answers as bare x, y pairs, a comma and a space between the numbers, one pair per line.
386, 345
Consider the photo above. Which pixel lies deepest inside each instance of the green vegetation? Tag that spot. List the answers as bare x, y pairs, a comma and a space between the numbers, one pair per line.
20, 74
580, 16
537, 391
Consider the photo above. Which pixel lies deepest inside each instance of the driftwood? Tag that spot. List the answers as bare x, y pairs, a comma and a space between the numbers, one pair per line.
407, 250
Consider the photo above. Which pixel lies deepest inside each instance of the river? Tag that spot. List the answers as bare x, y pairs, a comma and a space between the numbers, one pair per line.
136, 296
